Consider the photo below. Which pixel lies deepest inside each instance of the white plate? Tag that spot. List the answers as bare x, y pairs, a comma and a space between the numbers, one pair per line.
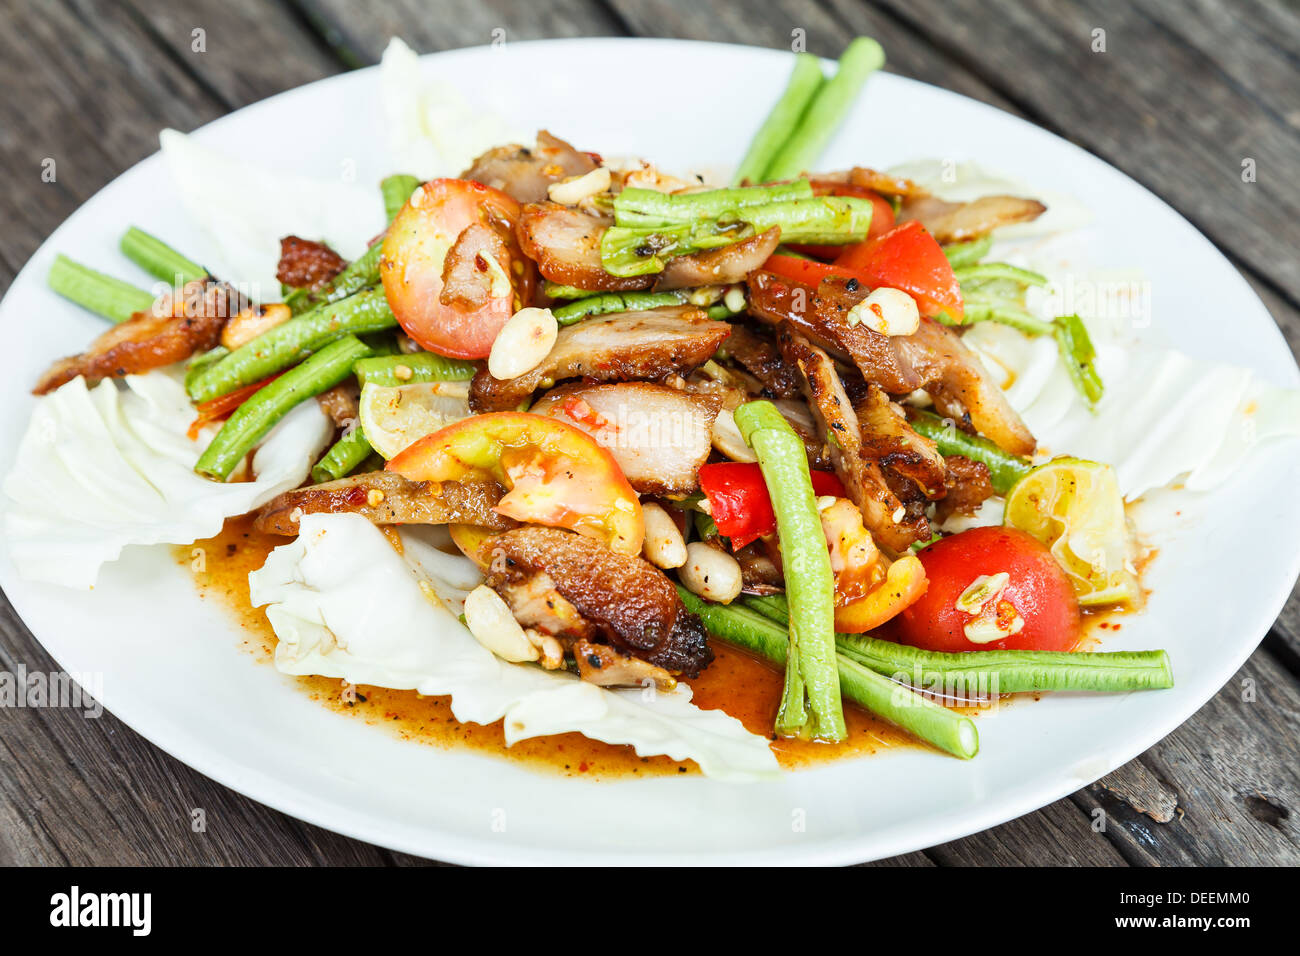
172, 670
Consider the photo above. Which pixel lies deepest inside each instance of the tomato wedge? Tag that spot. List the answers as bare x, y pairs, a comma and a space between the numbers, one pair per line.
739, 503
452, 269
554, 473
908, 258
904, 585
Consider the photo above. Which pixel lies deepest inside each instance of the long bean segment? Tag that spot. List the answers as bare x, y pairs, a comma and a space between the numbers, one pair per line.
614, 302
648, 207
805, 80
397, 189
962, 254
361, 273
288, 342
810, 705
159, 259
994, 672
822, 220
827, 110
925, 719
107, 297
1004, 469
258, 415
1078, 355
983, 673
393, 370
343, 457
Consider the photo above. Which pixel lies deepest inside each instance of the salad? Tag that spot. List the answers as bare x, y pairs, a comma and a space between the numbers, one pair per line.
652, 414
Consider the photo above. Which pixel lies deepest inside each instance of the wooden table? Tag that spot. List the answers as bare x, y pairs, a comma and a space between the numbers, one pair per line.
1181, 96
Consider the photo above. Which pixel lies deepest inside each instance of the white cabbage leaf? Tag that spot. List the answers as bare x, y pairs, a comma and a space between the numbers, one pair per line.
105, 467
345, 604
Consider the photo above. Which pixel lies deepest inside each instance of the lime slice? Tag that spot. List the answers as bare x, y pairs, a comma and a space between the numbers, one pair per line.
1076, 509
393, 419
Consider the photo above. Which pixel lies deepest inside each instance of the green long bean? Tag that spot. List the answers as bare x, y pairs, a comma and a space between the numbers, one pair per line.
614, 302
159, 259
396, 190
107, 297
645, 208
394, 370
361, 273
827, 110
810, 705
1078, 356
994, 672
343, 457
823, 220
998, 270
962, 254
1004, 469
984, 673
929, 721
289, 342
805, 80
259, 414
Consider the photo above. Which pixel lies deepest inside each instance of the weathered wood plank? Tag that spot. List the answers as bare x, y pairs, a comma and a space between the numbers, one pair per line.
1233, 771
240, 50
457, 23
1057, 835
81, 791
1173, 115
90, 101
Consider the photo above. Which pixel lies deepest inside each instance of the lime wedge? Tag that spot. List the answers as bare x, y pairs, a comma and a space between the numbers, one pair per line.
1076, 509
395, 418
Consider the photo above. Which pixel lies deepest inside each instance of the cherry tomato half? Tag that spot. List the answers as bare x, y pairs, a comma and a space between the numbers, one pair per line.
452, 269
990, 589
555, 474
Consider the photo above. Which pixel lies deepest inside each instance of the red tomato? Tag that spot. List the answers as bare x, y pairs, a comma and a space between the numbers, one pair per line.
801, 270
455, 307
1037, 592
739, 503
554, 474
908, 258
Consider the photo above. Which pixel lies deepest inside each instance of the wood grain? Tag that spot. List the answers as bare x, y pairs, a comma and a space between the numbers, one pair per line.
1181, 96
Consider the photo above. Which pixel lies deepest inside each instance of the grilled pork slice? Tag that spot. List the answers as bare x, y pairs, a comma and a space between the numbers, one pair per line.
565, 244
960, 222
933, 357
526, 174
605, 666
888, 439
762, 359
962, 387
384, 497
173, 330
658, 435
629, 345
305, 264
720, 266
341, 403
624, 599
821, 316
893, 525
968, 484
884, 183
